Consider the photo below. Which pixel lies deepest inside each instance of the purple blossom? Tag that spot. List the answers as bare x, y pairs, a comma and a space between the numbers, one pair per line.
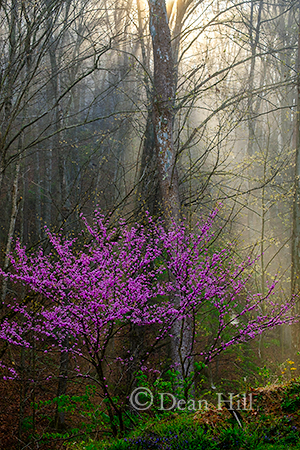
111, 283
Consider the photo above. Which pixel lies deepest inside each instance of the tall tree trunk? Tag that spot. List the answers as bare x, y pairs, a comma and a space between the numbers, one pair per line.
254, 33
163, 116
163, 120
5, 128
148, 196
24, 205
58, 151
9, 85
148, 188
38, 198
48, 182
59, 420
13, 218
295, 275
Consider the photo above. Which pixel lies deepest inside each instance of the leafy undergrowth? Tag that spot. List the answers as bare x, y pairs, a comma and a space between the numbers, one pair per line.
273, 423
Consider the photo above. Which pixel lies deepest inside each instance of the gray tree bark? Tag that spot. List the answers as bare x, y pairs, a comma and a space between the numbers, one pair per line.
163, 120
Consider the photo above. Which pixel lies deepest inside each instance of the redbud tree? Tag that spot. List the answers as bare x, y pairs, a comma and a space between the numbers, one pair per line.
138, 276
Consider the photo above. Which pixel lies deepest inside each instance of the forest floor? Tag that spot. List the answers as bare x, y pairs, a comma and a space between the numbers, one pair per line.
273, 423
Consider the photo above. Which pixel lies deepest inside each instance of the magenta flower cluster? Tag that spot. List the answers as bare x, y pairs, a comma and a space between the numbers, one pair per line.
135, 275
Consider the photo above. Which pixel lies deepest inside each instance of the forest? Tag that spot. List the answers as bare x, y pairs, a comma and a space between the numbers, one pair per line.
150, 225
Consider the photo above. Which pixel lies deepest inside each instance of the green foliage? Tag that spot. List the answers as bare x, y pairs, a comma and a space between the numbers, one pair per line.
164, 430
183, 433
169, 382
265, 373
291, 400
89, 416
27, 424
232, 438
175, 434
